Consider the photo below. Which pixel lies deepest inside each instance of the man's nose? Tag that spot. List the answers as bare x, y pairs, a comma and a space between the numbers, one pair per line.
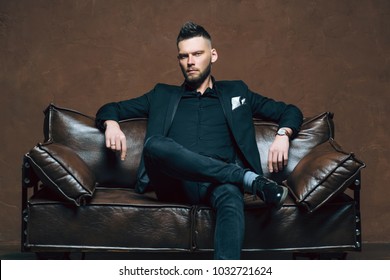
190, 60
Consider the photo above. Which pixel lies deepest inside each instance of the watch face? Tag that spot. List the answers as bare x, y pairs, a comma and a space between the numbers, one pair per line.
281, 131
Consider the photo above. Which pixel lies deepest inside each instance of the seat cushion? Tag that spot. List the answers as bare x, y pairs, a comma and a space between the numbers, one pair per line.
115, 219
127, 221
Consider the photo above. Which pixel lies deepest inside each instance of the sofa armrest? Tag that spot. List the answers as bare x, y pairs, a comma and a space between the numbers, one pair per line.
322, 174
62, 171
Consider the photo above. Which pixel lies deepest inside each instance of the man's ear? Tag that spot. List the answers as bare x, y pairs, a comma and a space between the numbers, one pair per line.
214, 55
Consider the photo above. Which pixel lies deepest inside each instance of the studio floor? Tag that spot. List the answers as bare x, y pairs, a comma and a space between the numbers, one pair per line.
370, 251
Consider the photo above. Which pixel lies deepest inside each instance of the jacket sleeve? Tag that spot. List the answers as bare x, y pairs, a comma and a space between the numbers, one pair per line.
285, 115
133, 108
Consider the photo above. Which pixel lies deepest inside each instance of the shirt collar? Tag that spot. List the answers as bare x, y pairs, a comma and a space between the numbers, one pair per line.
209, 91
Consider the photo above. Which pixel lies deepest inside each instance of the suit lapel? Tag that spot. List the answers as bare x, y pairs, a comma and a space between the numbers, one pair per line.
226, 106
174, 99
242, 128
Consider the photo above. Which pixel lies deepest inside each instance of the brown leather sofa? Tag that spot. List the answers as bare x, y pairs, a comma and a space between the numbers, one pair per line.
78, 196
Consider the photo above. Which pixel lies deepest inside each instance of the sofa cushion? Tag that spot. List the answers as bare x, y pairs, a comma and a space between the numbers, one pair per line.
314, 131
322, 174
63, 171
127, 221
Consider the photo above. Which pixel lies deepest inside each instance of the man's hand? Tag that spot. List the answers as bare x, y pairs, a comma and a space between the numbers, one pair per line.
115, 138
278, 153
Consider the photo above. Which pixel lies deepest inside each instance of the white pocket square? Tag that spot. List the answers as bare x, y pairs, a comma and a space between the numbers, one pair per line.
237, 101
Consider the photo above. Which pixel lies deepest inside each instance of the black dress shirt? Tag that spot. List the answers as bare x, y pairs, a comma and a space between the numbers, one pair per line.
200, 126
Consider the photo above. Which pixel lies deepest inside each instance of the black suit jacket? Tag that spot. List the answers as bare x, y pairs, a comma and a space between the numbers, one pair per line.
239, 104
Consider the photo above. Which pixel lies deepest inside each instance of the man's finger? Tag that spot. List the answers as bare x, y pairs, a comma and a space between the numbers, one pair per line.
275, 162
108, 143
118, 144
285, 161
123, 148
280, 161
270, 168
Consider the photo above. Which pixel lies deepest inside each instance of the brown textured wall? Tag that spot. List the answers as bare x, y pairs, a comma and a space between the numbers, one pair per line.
330, 55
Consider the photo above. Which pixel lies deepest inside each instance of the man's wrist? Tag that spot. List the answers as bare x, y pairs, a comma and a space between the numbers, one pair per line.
284, 131
110, 122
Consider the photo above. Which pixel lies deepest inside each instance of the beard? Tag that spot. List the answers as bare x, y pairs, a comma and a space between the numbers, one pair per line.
195, 81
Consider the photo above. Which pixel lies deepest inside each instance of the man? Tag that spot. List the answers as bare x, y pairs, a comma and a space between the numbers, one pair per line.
200, 142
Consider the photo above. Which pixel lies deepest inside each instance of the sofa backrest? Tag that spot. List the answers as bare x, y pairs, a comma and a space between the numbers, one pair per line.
78, 132
314, 131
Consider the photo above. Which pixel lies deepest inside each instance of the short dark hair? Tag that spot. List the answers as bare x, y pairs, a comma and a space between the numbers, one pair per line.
190, 30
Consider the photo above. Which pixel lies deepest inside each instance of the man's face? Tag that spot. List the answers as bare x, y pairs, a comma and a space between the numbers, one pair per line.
195, 59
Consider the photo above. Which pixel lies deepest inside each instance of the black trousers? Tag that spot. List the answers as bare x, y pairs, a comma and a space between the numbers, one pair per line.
180, 175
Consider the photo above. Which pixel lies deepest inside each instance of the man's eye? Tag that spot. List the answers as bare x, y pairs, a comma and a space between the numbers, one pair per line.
198, 54
181, 57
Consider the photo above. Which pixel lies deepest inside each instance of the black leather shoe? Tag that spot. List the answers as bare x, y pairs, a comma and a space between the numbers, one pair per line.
269, 191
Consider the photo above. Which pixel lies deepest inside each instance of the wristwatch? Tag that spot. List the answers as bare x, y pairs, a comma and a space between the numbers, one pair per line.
283, 132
